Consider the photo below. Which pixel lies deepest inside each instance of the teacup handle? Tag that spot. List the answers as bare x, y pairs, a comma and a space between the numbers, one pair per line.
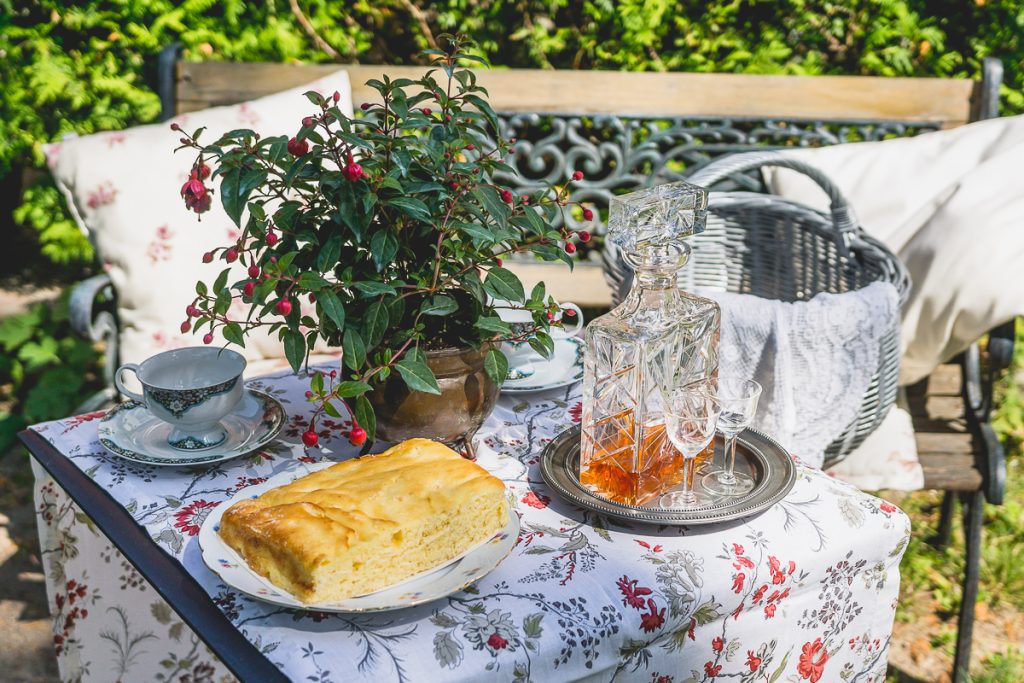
133, 367
575, 330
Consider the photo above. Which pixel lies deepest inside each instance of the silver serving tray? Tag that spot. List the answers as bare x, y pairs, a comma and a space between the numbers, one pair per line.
756, 454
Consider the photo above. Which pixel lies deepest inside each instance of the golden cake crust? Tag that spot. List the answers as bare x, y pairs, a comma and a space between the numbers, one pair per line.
369, 522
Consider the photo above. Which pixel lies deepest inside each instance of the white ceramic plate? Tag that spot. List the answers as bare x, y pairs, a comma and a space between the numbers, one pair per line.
427, 586
563, 368
132, 432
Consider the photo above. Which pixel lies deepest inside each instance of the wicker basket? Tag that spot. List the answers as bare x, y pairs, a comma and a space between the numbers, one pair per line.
775, 248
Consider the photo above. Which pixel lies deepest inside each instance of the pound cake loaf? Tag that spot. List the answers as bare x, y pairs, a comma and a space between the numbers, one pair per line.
364, 524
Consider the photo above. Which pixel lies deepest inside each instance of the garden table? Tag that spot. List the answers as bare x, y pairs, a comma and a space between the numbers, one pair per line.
805, 591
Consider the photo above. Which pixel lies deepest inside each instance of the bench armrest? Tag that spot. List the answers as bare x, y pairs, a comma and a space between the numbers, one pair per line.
97, 326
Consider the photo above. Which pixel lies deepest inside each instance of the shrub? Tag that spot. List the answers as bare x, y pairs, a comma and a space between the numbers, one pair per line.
88, 65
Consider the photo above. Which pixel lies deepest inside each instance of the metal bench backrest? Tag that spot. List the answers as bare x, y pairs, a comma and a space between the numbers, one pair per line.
628, 130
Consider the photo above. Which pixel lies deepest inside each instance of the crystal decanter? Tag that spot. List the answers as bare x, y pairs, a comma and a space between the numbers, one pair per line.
659, 337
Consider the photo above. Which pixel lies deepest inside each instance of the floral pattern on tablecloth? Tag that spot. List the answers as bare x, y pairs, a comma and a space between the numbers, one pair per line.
804, 592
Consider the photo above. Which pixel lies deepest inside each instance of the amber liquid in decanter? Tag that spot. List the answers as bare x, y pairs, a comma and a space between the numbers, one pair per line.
612, 471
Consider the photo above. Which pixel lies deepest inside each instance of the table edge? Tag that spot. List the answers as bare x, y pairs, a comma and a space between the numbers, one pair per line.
167, 576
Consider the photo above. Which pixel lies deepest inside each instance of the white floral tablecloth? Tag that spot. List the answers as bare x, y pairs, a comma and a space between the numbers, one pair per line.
804, 592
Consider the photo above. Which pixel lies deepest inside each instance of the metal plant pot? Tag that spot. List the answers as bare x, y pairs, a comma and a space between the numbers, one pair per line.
467, 397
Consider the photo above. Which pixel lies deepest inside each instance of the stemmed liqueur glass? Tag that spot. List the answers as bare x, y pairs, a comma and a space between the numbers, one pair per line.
738, 400
691, 413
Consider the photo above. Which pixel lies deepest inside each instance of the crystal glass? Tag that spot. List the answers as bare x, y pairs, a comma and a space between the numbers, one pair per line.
658, 337
691, 415
738, 400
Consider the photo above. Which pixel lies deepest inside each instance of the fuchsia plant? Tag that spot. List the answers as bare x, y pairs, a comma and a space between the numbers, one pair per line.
393, 225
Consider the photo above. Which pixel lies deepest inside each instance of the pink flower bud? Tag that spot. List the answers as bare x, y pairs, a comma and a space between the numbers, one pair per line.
271, 238
208, 338
297, 148
588, 215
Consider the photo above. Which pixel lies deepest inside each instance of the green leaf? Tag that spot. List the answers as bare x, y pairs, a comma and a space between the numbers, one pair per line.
236, 186
233, 333
330, 409
317, 385
778, 671
312, 281
418, 375
494, 324
503, 284
383, 247
332, 306
365, 417
222, 280
370, 288
376, 323
349, 389
489, 198
496, 365
441, 304
484, 108
354, 349
531, 625
330, 252
294, 349
413, 208
543, 344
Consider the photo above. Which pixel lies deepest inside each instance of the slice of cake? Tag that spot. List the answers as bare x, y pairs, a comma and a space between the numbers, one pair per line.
365, 524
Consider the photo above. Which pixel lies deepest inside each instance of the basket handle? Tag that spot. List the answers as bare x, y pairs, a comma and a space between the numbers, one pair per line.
843, 218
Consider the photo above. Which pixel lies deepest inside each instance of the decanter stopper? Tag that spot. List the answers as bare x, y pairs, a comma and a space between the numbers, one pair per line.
657, 216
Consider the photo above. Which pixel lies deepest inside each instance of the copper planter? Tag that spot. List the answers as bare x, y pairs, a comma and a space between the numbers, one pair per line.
467, 397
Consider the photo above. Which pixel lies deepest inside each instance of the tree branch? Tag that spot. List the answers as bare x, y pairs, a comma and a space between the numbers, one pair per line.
311, 32
421, 19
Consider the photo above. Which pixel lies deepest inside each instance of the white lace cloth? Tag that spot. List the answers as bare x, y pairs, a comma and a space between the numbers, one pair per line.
814, 359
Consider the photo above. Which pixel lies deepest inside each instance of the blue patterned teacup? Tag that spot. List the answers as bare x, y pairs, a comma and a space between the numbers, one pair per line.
191, 389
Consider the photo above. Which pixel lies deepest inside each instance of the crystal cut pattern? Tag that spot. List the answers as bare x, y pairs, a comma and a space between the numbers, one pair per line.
658, 216
657, 338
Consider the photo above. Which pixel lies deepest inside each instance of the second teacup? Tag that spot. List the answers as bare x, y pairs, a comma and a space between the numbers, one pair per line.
521, 356
191, 389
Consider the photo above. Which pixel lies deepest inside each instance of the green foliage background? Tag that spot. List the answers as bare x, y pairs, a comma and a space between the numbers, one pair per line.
89, 65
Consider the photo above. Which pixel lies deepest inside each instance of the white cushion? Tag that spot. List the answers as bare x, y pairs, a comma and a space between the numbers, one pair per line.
123, 189
950, 204
886, 460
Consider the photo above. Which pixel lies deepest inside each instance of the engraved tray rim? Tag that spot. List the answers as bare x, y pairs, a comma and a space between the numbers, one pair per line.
778, 475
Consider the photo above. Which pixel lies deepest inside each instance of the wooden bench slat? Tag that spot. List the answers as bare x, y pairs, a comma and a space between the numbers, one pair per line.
843, 98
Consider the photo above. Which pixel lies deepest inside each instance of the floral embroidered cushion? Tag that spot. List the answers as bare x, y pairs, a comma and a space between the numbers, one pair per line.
123, 189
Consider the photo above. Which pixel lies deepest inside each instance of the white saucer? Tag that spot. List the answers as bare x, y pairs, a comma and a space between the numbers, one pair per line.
563, 368
132, 432
427, 586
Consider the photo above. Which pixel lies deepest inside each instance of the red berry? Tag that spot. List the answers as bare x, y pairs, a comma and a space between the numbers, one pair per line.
208, 257
506, 196
551, 316
471, 147
307, 122
588, 215
254, 270
353, 172
364, 106
310, 438
570, 248
569, 312
284, 307
337, 97
332, 374
175, 127
584, 236
273, 259
271, 238
453, 185
231, 255
312, 298
249, 288
357, 437
309, 394
185, 327
208, 338
297, 148
426, 111
577, 175
498, 262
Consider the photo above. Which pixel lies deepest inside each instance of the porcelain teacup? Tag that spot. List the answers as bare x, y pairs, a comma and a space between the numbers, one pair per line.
522, 359
191, 389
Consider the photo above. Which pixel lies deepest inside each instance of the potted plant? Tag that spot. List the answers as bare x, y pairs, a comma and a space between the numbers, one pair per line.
394, 226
